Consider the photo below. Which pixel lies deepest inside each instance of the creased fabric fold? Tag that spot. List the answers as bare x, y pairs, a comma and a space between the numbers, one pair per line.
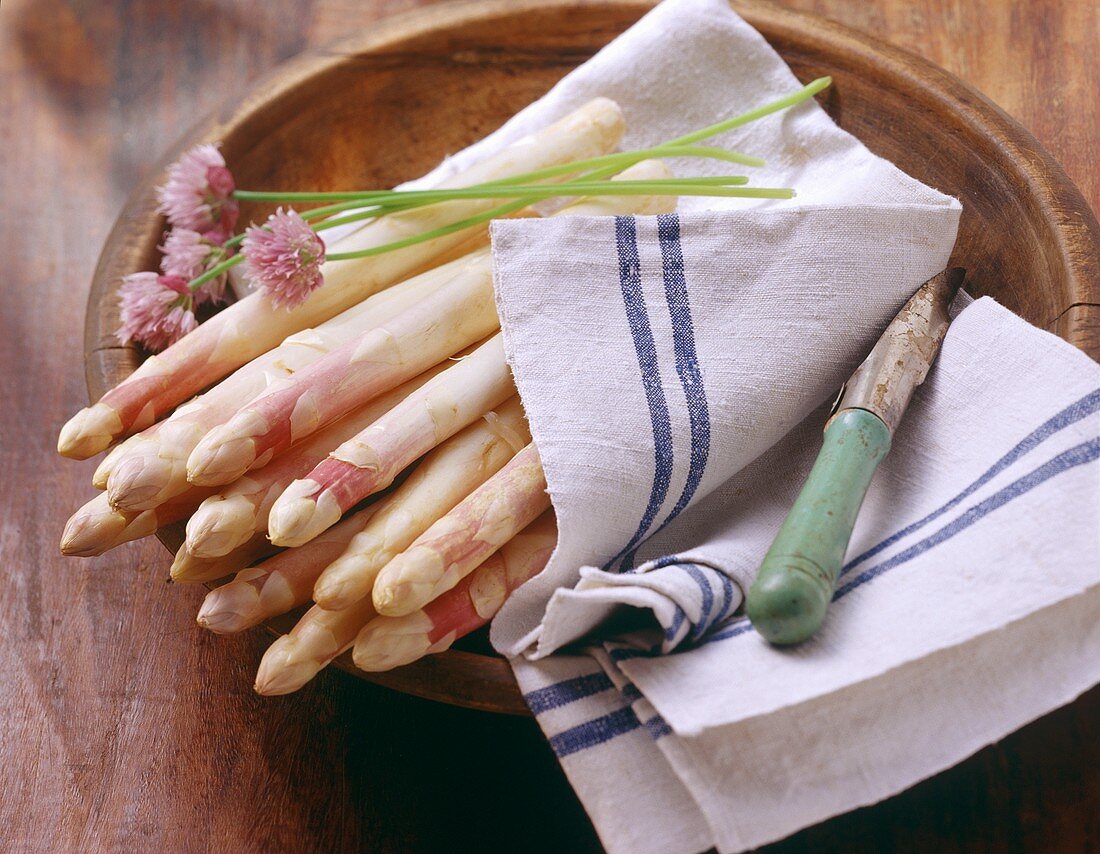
676, 373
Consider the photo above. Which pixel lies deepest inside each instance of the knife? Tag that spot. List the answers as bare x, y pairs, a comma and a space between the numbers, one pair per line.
787, 602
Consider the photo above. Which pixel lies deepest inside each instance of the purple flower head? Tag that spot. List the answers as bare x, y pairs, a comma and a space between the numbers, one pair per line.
187, 255
156, 310
284, 258
198, 194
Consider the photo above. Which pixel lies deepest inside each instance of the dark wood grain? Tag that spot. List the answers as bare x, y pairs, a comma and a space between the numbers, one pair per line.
122, 727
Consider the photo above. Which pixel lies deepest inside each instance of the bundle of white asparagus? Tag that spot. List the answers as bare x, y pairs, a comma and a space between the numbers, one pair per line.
392, 372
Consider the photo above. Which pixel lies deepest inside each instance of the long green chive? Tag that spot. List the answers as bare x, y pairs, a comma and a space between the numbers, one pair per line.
371, 204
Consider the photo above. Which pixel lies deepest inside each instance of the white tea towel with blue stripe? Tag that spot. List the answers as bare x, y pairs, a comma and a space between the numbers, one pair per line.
673, 370
657, 357
969, 605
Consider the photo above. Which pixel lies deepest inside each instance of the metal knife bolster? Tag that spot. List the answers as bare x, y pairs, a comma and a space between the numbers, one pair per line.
900, 361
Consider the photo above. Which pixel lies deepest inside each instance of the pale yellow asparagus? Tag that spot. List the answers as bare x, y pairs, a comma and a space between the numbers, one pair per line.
441, 480
279, 583
152, 466
460, 312
317, 639
232, 516
112, 458
254, 325
97, 526
188, 569
644, 170
370, 460
389, 642
458, 542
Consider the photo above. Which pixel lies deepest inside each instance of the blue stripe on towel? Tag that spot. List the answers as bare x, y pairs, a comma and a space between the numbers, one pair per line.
657, 727
1081, 454
593, 732
630, 281
1073, 413
733, 631
678, 618
687, 363
626, 653
604, 728
727, 597
1078, 455
563, 693
700, 579
707, 619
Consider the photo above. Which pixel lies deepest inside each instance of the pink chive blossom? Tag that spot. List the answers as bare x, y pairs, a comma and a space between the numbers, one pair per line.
284, 258
187, 255
156, 310
199, 194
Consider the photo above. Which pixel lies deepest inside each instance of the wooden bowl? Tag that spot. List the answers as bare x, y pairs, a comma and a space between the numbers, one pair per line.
386, 105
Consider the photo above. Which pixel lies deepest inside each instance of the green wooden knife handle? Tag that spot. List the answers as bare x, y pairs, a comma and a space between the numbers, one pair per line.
788, 600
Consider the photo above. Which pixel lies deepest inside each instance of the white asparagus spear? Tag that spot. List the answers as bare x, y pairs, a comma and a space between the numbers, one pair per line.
227, 519
321, 635
254, 325
231, 517
370, 460
457, 314
389, 642
279, 583
188, 569
454, 546
441, 480
110, 460
152, 466
98, 527
317, 639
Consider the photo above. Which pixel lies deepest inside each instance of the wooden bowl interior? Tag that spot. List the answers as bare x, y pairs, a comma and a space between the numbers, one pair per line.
386, 106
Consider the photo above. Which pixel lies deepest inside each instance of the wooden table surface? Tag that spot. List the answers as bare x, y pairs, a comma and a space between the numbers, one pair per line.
125, 727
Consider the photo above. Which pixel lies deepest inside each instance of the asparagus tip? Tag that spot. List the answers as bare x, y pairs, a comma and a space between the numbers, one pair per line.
220, 458
301, 513
402, 597
229, 609
387, 642
188, 569
281, 671
88, 432
139, 482
91, 531
334, 592
220, 525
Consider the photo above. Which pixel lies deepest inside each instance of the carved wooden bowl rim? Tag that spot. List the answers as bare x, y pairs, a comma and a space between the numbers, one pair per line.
1066, 225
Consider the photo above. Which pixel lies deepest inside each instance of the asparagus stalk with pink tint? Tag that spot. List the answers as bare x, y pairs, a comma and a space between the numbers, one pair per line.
461, 312
188, 569
232, 516
458, 542
389, 642
370, 460
254, 324
98, 527
442, 479
358, 370
317, 639
151, 467
279, 583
